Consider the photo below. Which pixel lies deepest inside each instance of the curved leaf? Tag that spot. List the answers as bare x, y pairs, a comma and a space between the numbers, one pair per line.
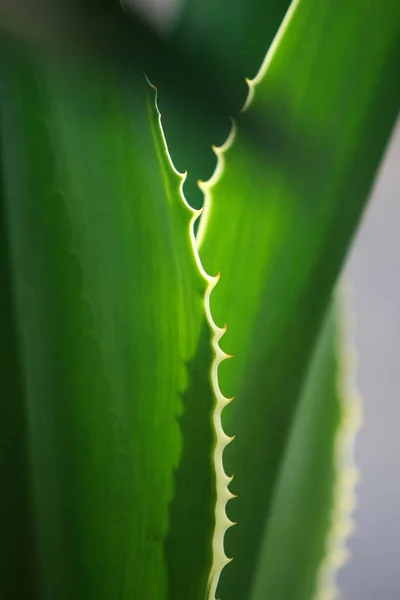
278, 220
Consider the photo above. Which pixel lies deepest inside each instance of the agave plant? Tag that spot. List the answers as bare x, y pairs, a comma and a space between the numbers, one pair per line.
152, 349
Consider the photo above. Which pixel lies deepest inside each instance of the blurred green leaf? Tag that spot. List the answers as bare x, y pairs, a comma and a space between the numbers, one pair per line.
201, 86
309, 518
231, 37
112, 339
114, 34
277, 227
17, 551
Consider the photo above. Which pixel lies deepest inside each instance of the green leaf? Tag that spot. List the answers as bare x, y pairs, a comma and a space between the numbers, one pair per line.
112, 336
304, 535
278, 221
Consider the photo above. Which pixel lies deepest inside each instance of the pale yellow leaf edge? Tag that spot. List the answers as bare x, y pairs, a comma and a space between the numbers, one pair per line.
347, 473
220, 559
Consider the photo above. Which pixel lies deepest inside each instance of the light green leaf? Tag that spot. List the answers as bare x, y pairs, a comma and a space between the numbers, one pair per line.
114, 345
278, 220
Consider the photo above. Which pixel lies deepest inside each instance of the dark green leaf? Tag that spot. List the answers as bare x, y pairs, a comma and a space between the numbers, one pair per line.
115, 348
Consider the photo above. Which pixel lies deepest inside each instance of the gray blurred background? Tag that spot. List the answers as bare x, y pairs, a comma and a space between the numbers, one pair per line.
373, 272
